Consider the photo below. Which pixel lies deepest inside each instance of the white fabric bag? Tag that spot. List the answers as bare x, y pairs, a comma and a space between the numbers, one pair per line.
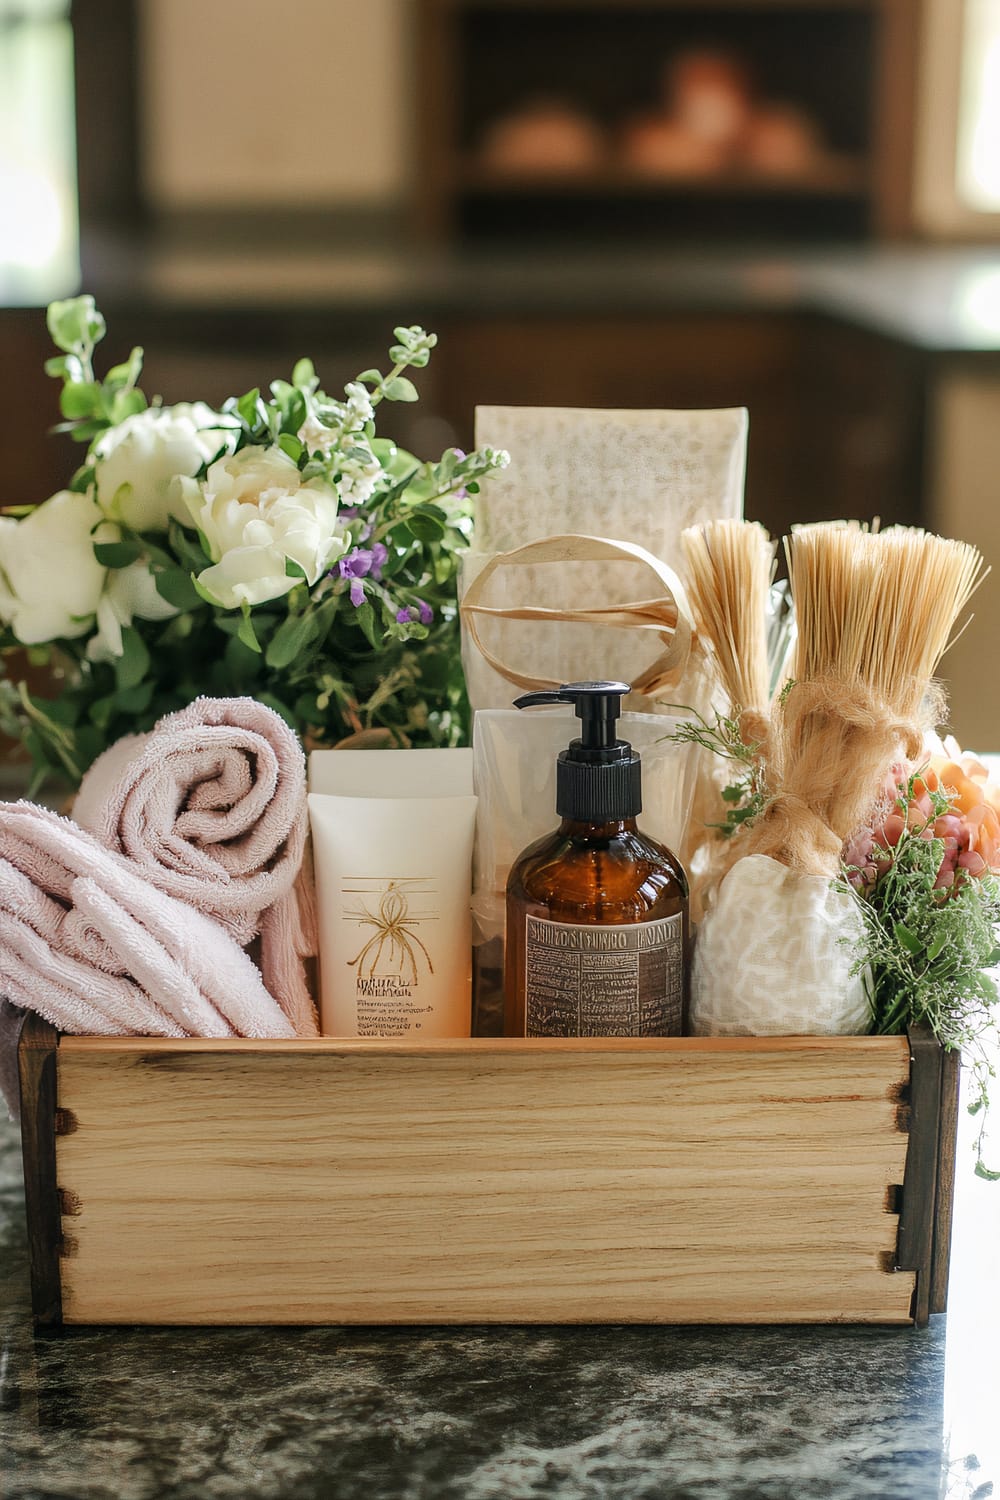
774, 954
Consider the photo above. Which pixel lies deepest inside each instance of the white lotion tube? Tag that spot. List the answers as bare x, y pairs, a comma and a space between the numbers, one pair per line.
392, 773
393, 888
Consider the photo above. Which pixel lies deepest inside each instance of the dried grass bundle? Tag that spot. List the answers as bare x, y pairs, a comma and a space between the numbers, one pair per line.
730, 565
877, 607
875, 612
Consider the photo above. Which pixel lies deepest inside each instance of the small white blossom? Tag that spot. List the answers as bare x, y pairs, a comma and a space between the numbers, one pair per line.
359, 403
358, 479
316, 438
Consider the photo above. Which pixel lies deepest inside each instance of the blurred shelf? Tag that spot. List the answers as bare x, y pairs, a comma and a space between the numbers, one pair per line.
847, 67
654, 5
836, 177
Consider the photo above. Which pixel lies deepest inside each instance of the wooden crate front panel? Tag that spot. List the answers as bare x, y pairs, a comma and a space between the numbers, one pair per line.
683, 1181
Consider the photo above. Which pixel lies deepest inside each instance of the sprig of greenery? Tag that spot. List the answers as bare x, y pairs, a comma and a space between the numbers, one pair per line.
90, 406
927, 951
747, 795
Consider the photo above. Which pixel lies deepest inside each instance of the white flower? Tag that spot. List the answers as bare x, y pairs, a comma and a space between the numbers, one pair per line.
137, 461
128, 592
358, 479
316, 438
359, 403
348, 419
53, 588
256, 514
50, 580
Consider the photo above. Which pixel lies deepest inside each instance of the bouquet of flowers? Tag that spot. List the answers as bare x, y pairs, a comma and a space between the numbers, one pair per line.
277, 547
925, 872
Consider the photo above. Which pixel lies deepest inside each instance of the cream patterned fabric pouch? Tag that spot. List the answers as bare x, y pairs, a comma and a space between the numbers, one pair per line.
641, 476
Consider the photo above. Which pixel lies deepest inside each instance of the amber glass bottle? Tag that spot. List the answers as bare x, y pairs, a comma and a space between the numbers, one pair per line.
597, 914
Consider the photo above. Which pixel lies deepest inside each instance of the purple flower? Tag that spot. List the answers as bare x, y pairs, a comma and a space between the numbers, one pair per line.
357, 592
419, 611
380, 552
361, 561
350, 511
357, 564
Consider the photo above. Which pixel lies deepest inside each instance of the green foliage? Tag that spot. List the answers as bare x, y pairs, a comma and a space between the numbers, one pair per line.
90, 406
746, 796
927, 951
330, 667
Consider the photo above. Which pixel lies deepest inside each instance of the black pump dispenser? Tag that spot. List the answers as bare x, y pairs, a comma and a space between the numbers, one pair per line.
598, 776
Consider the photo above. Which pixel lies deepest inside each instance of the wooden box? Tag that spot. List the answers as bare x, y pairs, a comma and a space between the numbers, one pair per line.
786, 1180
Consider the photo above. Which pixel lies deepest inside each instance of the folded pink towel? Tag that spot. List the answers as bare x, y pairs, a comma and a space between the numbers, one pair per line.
210, 806
93, 947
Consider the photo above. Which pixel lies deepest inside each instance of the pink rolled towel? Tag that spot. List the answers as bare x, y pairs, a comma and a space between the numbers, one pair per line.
93, 947
210, 806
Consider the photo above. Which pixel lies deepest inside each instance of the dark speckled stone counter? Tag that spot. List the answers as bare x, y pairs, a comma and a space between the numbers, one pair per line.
506, 1414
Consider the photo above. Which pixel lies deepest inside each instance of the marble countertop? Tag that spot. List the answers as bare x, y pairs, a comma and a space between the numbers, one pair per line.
603, 1413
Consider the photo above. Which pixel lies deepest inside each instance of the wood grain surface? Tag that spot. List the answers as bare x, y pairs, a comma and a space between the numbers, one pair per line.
484, 1181
37, 1078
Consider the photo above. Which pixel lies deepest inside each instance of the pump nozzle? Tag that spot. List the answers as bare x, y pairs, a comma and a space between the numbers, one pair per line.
598, 706
598, 774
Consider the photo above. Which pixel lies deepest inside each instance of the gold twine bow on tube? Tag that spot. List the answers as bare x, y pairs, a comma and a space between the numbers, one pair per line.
667, 616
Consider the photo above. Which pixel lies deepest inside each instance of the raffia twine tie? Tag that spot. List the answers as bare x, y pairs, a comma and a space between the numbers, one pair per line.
830, 748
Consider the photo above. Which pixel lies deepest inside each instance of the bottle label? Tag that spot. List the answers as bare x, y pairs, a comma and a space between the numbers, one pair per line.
604, 980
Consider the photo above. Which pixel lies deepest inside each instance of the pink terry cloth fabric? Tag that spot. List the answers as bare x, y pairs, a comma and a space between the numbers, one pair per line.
210, 806
93, 947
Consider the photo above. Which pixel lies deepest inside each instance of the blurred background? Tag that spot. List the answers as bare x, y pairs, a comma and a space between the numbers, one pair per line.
791, 205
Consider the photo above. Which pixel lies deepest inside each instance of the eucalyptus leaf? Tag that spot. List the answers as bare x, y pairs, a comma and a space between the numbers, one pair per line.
400, 389
134, 700
75, 324
365, 616
247, 634
125, 374
175, 586
290, 444
82, 398
64, 366
304, 374
126, 404
187, 546
426, 523
133, 664
246, 407
290, 639
117, 554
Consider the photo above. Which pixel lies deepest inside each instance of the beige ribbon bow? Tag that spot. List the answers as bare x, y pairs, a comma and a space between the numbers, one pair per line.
667, 616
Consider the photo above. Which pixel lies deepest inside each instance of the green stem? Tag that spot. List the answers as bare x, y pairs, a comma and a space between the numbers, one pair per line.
378, 394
